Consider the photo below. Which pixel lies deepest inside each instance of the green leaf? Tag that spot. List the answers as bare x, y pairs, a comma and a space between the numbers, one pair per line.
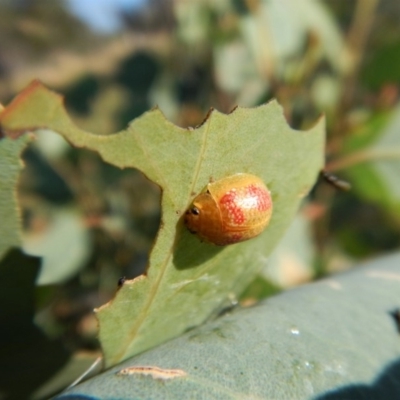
372, 160
334, 339
186, 280
10, 166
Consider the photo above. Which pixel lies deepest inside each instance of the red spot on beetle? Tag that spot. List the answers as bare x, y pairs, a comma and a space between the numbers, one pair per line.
230, 202
261, 197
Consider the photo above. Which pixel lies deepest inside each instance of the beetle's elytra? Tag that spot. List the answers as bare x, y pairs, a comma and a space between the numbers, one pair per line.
230, 210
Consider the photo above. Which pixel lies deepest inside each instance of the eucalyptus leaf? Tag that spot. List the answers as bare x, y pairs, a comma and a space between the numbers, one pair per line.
334, 339
186, 280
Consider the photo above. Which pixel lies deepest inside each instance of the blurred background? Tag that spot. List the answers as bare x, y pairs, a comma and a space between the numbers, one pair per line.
115, 59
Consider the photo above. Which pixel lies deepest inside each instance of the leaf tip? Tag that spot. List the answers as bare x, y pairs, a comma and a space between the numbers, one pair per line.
321, 120
19, 105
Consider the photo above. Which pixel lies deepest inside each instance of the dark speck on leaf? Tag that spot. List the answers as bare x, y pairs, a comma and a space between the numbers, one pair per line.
121, 281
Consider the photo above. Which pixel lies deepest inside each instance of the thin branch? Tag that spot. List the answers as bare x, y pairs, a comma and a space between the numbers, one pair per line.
362, 157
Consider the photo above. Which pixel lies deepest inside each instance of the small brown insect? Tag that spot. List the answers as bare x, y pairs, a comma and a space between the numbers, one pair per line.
335, 181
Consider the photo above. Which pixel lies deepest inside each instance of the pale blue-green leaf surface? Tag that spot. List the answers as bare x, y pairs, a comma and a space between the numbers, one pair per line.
331, 340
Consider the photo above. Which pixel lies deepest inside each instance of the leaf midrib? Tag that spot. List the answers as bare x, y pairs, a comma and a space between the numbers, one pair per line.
154, 288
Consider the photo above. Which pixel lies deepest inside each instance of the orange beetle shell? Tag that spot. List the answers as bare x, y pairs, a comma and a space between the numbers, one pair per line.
230, 210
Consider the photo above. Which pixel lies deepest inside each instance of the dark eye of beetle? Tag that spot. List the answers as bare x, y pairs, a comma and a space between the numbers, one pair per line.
195, 211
